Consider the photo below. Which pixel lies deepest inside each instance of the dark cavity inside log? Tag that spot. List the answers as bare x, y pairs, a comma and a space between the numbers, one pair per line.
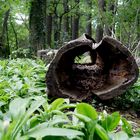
112, 69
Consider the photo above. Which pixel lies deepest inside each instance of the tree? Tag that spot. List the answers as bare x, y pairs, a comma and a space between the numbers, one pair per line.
66, 20
75, 21
89, 17
4, 46
100, 25
37, 25
49, 20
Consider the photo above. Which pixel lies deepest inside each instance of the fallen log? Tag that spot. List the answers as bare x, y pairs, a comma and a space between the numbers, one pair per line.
111, 71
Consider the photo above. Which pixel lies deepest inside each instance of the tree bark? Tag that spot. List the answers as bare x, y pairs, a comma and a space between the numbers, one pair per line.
66, 20
75, 22
37, 25
111, 7
5, 50
109, 74
99, 33
89, 16
100, 24
15, 33
49, 30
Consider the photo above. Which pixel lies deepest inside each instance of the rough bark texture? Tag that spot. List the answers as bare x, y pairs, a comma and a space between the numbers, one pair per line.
37, 25
112, 70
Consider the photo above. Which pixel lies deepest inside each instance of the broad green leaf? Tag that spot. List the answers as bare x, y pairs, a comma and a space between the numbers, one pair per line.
101, 132
87, 110
119, 136
42, 130
134, 138
110, 122
17, 124
56, 104
83, 118
127, 127
55, 138
18, 107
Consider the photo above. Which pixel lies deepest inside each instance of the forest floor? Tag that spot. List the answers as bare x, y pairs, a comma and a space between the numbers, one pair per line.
130, 114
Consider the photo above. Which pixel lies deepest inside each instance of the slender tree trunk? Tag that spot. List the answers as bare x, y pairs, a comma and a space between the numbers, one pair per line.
3, 38
37, 25
49, 30
99, 33
99, 28
110, 28
88, 27
138, 25
56, 31
89, 16
15, 33
75, 22
66, 20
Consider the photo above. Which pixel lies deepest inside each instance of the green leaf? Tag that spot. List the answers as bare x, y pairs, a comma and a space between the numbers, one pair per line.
110, 122
42, 130
56, 104
134, 138
83, 118
18, 123
119, 136
127, 127
101, 132
87, 110
18, 107
55, 138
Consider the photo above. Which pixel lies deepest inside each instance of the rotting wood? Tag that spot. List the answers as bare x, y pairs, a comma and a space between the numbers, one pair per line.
113, 69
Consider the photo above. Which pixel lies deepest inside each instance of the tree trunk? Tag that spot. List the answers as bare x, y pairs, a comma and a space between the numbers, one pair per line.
100, 24
56, 31
99, 33
37, 25
15, 33
138, 25
75, 22
49, 30
110, 28
66, 20
5, 50
109, 74
89, 16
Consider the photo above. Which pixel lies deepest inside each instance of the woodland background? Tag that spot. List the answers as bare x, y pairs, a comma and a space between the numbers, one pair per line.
30, 25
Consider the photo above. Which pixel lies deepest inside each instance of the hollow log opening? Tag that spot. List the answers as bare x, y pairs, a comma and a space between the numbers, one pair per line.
111, 70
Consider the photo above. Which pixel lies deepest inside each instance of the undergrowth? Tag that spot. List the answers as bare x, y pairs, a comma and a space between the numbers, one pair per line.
21, 77
26, 114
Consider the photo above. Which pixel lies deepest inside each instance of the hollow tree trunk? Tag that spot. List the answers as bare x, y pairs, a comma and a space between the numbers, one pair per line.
111, 71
